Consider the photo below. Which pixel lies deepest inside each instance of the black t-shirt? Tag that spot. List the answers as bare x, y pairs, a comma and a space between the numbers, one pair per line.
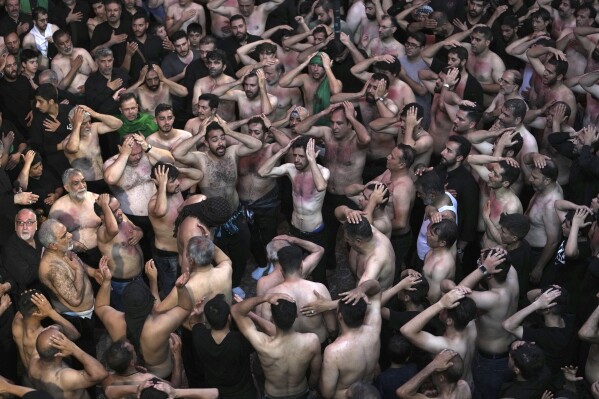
522, 262
152, 51
7, 24
21, 262
553, 340
461, 180
77, 29
98, 96
15, 101
342, 72
46, 184
226, 364
532, 388
102, 34
230, 45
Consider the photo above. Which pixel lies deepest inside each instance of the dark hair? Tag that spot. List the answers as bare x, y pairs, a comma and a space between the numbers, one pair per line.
236, 17
545, 41
516, 223
140, 15
194, 27
460, 52
454, 373
152, 393
290, 259
126, 97
107, 2
154, 26
516, 147
25, 305
418, 36
372, 187
162, 107
591, 10
408, 153
180, 34
501, 276
394, 67
583, 231
419, 110
58, 34
485, 31
217, 311
463, 313
399, 349
216, 55
353, 315
284, 314
474, 114
567, 109
171, 170
266, 48
510, 173
212, 99
561, 66
430, 183
301, 142
319, 29
561, 302
325, 4
28, 54
258, 120
446, 69
530, 360
541, 13
517, 76
118, 356
362, 230
464, 146
447, 230
37, 11
381, 76
420, 295
550, 170
213, 126
510, 20
98, 209
208, 39
47, 92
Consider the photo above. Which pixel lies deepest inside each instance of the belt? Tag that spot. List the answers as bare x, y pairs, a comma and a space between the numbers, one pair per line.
488, 355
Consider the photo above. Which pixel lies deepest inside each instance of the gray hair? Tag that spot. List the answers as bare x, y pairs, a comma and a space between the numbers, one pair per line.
26, 210
47, 232
69, 172
48, 76
200, 250
102, 52
86, 115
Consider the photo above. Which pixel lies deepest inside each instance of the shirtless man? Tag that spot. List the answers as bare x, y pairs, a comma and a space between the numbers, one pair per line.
72, 65
346, 143
439, 262
118, 241
27, 324
372, 200
166, 137
82, 147
253, 99
67, 277
220, 165
497, 303
50, 373
545, 225
76, 211
498, 197
354, 354
182, 13
152, 89
371, 255
552, 87
216, 64
445, 372
286, 97
319, 73
509, 86
303, 292
259, 195
309, 183
287, 356
385, 43
128, 176
460, 332
253, 14
205, 108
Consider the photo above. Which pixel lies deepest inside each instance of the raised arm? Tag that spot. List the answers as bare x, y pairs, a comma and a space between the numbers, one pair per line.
72, 146
590, 329
293, 78
183, 152
114, 171
174, 88
513, 324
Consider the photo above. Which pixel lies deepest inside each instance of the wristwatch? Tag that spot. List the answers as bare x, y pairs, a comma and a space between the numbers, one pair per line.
445, 85
483, 270
380, 99
149, 148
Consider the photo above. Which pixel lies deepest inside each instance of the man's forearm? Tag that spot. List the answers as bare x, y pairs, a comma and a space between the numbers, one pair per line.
410, 388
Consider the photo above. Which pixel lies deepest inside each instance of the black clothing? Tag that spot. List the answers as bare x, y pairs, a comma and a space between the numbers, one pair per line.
15, 101
21, 262
8, 209
553, 340
532, 388
342, 72
522, 262
152, 51
8, 25
98, 96
102, 34
226, 364
46, 184
230, 45
77, 29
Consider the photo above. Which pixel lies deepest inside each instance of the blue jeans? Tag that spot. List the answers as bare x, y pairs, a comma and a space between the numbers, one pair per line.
167, 265
116, 294
489, 375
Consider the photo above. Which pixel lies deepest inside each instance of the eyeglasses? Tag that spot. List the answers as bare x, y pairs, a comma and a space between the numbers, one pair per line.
502, 80
414, 45
22, 223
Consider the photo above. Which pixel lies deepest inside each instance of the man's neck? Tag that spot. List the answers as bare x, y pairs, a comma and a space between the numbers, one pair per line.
513, 246
53, 110
115, 25
554, 320
399, 173
503, 192
548, 189
454, 166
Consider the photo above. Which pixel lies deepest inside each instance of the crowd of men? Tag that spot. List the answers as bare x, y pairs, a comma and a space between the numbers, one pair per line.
445, 152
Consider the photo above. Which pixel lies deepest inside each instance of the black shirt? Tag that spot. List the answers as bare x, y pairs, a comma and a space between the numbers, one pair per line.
7, 24
342, 72
21, 261
15, 101
98, 96
8, 209
46, 184
77, 29
102, 34
230, 45
152, 51
522, 262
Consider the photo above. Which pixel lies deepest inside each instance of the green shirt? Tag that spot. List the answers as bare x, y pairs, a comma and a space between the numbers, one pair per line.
144, 124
